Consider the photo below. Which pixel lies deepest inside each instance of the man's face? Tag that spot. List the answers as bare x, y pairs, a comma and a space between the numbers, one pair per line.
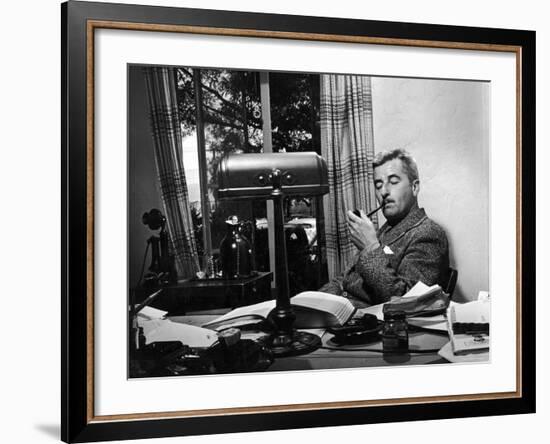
394, 189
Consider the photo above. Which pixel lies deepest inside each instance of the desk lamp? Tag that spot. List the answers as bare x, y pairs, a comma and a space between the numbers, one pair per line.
274, 176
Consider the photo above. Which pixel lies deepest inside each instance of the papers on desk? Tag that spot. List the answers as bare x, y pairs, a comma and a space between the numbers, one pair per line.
420, 300
149, 313
158, 329
475, 356
162, 330
472, 311
464, 346
468, 326
420, 289
436, 323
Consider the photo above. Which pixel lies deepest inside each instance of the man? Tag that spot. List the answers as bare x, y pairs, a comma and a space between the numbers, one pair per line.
408, 248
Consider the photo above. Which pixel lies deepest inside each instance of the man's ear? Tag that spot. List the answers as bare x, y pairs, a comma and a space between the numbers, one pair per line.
415, 187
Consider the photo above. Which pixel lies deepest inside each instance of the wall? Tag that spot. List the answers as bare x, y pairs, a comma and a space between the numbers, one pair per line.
444, 125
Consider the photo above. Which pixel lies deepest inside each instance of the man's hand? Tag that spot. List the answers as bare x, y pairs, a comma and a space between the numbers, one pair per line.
362, 231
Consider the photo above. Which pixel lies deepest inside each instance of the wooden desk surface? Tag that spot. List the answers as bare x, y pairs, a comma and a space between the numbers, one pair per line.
351, 356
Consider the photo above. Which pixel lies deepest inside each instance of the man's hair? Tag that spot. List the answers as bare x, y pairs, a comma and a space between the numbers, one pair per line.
409, 164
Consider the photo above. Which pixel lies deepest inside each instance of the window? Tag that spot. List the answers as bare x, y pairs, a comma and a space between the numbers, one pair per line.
221, 112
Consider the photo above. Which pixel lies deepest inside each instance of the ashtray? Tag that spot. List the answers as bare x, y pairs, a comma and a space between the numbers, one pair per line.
357, 330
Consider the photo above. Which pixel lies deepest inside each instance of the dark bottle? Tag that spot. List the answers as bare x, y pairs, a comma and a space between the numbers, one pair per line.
395, 333
235, 252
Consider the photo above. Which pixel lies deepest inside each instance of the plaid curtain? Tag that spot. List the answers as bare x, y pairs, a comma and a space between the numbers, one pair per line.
347, 144
163, 106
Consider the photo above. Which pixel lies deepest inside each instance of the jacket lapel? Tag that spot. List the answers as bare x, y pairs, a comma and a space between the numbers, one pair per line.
388, 234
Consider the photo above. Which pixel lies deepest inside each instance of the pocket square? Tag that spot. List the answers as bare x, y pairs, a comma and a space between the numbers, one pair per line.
388, 250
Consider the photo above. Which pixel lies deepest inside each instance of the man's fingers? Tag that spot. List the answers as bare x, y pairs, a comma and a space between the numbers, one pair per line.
353, 217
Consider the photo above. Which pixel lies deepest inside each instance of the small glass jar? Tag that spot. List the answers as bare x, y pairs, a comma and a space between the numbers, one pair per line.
395, 333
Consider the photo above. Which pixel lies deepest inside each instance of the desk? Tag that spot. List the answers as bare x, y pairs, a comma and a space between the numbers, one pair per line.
350, 356
204, 294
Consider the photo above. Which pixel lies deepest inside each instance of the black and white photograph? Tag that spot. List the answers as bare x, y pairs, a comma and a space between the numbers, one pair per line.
300, 221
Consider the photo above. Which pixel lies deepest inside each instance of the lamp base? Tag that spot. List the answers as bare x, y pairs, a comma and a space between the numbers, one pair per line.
293, 344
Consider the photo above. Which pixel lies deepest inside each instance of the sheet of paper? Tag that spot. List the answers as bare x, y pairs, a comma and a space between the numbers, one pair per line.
418, 289
471, 312
438, 322
159, 330
376, 310
151, 313
447, 353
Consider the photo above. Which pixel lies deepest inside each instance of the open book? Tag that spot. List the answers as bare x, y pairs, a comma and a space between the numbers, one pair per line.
313, 309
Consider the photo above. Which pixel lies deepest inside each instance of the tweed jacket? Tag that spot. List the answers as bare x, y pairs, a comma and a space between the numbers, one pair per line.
415, 249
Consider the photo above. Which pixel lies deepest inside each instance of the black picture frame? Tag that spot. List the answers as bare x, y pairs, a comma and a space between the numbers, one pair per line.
78, 423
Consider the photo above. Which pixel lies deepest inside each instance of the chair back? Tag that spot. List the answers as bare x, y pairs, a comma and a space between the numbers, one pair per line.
451, 283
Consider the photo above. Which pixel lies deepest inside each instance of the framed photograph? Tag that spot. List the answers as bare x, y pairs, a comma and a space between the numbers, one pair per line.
275, 221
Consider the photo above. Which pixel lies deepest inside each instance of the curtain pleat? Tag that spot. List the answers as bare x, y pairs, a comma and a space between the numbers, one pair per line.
347, 144
161, 90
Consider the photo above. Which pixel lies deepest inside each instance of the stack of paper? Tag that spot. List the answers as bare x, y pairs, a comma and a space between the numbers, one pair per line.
468, 326
418, 290
420, 300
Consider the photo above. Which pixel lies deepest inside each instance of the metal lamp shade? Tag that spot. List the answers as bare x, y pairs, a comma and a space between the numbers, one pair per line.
244, 176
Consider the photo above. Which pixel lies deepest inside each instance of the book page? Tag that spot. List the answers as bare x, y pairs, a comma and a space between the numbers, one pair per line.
261, 309
339, 306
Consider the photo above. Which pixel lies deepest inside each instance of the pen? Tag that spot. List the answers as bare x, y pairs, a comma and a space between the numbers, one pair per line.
147, 301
